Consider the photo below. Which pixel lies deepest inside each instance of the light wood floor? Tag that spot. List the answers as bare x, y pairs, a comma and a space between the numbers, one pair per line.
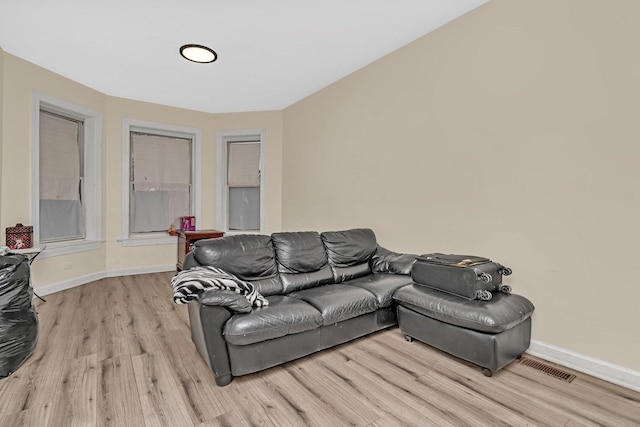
117, 352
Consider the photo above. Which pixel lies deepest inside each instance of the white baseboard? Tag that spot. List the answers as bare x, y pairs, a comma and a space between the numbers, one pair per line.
78, 281
141, 270
597, 368
71, 283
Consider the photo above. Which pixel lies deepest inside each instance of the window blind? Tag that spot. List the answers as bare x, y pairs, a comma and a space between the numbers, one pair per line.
60, 178
160, 159
160, 181
59, 158
243, 168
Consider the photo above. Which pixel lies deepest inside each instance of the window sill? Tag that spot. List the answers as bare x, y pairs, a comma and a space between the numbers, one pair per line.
238, 232
162, 239
66, 248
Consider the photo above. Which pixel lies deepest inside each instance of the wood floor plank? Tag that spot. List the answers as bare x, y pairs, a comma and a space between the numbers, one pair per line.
41, 373
35, 417
489, 406
76, 401
386, 422
160, 397
193, 376
170, 319
395, 402
460, 380
352, 409
123, 288
314, 407
228, 419
252, 403
88, 294
553, 409
82, 334
461, 409
16, 389
119, 402
567, 399
127, 330
118, 352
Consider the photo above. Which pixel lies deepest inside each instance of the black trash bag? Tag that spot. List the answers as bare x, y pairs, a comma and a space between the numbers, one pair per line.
18, 318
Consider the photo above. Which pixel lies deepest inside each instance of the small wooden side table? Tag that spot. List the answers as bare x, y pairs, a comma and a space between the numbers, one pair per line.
186, 239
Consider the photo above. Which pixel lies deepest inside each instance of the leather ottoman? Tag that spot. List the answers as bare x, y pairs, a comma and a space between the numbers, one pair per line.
490, 334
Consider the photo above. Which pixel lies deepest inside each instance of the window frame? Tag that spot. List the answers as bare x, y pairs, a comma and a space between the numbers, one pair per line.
222, 196
92, 203
131, 125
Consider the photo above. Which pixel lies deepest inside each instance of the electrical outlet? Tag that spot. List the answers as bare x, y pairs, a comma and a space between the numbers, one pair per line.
67, 266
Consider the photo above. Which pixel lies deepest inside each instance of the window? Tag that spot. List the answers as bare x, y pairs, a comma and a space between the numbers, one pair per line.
243, 184
66, 176
240, 181
161, 180
61, 176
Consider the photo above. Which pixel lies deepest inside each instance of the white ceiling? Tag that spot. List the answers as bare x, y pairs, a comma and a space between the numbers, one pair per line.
271, 53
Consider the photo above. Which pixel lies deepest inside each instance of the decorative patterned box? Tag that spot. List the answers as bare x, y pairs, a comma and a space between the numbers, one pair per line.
188, 223
20, 236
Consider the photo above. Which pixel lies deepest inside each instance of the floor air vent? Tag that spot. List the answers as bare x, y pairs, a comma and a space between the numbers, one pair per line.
549, 370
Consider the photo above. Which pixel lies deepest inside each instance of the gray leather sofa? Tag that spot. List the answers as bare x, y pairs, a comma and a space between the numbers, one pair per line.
323, 290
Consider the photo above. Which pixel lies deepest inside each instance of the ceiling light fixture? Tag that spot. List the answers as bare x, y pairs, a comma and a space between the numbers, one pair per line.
198, 53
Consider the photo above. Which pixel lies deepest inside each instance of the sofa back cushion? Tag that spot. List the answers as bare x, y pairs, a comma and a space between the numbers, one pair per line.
302, 260
349, 252
249, 257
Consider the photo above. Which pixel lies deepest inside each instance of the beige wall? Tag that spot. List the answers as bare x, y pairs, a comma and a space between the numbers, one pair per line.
508, 133
1, 120
511, 133
22, 77
119, 257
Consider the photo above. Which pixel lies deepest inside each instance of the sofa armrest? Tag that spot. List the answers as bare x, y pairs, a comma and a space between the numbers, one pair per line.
223, 298
207, 323
385, 261
190, 261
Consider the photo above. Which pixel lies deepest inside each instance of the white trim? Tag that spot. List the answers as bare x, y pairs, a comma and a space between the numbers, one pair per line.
68, 284
141, 270
157, 239
71, 247
222, 138
196, 203
83, 280
596, 368
93, 173
263, 178
237, 232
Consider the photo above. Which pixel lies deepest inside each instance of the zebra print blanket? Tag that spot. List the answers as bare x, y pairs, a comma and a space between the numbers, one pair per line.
189, 284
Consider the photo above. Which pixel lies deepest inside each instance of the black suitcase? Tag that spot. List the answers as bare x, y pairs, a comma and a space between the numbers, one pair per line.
467, 276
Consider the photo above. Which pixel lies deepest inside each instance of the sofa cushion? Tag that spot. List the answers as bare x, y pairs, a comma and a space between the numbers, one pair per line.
250, 257
382, 285
338, 302
349, 252
302, 260
503, 312
386, 261
283, 316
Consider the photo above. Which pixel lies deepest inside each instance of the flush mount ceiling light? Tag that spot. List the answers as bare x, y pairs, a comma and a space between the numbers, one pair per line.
198, 53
